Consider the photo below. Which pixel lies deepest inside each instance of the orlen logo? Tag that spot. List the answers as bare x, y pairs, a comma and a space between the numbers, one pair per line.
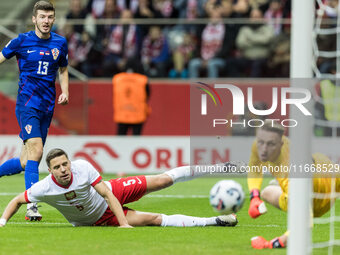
89, 150
239, 102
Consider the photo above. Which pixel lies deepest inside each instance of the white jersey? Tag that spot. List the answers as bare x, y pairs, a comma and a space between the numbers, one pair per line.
80, 203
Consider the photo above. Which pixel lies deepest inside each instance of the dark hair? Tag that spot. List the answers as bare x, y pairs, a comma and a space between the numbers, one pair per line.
53, 154
44, 6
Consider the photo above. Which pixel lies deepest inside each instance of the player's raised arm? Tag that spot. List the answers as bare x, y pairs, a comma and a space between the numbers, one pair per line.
63, 78
12, 208
113, 203
2, 58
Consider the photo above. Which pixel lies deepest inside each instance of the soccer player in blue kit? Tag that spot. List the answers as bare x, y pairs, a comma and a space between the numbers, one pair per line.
40, 55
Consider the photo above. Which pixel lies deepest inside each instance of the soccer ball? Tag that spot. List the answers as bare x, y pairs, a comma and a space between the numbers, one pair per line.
226, 197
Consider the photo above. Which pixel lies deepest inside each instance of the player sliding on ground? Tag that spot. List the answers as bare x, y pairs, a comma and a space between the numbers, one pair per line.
270, 149
76, 189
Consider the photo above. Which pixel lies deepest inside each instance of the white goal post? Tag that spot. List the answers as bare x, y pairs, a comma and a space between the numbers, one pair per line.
300, 189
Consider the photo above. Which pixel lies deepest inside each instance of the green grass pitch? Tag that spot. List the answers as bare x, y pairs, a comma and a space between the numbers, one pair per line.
53, 235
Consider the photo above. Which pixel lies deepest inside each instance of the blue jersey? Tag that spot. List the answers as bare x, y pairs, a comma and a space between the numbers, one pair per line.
38, 61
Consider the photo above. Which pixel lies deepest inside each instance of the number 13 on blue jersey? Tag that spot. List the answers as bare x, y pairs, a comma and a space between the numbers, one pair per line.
43, 68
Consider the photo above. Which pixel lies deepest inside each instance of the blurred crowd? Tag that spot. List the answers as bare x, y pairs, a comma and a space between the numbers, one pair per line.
258, 48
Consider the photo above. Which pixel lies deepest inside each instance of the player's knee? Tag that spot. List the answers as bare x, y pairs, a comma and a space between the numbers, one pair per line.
153, 219
37, 153
271, 194
34, 147
164, 181
158, 182
266, 194
156, 220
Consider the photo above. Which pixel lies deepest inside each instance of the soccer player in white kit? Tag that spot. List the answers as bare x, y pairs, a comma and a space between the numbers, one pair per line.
77, 190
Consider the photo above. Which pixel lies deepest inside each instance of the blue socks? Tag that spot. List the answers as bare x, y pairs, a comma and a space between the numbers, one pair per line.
11, 166
31, 173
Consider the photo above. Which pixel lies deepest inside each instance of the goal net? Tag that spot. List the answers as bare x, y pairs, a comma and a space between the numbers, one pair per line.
324, 64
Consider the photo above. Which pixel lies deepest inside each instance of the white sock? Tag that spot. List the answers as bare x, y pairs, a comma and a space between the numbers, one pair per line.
179, 220
186, 173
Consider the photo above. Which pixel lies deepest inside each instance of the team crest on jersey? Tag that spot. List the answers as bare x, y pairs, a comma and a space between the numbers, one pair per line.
28, 128
70, 195
55, 53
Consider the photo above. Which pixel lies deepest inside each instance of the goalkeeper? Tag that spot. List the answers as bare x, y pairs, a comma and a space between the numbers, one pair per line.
270, 152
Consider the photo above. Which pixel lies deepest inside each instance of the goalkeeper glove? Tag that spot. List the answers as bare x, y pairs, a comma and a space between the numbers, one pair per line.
258, 242
257, 206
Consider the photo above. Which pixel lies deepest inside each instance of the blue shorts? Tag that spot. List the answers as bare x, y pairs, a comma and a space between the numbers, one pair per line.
33, 123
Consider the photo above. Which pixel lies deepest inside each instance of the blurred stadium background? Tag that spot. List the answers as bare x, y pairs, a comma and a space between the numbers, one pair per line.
90, 27
180, 35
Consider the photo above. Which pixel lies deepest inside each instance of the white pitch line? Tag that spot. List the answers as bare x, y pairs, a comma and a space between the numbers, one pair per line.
178, 196
183, 196
260, 226
64, 223
158, 196
38, 223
